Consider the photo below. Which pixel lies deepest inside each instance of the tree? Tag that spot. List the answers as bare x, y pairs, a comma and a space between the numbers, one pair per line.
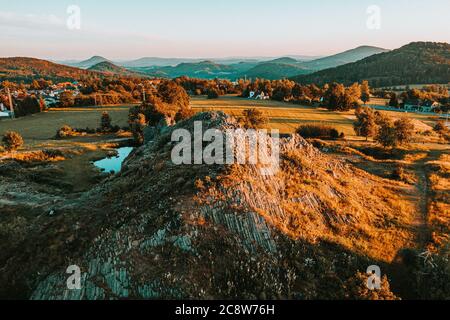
339, 98
365, 91
365, 125
404, 130
12, 141
393, 102
137, 128
440, 127
213, 93
253, 119
386, 132
105, 122
66, 99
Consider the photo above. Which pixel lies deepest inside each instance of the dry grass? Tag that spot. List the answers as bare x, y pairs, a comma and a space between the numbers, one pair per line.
322, 199
439, 204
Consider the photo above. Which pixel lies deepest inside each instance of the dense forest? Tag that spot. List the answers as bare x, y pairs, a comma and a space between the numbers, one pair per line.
415, 63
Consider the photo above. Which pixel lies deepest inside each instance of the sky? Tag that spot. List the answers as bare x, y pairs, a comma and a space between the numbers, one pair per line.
214, 28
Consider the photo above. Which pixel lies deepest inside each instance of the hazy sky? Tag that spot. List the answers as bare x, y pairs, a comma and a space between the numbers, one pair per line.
214, 28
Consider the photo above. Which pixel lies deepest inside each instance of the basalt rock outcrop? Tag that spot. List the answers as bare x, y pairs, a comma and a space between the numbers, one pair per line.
158, 230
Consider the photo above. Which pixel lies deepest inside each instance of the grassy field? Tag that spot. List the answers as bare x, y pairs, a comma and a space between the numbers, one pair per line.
41, 127
288, 117
285, 117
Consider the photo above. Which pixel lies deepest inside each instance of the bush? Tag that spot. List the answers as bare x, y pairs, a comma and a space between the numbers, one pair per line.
253, 119
137, 128
357, 289
400, 174
12, 141
105, 122
64, 131
213, 94
184, 114
318, 131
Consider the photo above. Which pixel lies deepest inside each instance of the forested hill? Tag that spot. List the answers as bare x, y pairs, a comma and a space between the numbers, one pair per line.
27, 69
415, 63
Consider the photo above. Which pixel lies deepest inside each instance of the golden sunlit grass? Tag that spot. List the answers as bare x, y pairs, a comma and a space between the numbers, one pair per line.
322, 199
439, 206
288, 117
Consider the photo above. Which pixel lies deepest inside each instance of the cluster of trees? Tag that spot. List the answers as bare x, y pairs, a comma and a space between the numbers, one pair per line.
334, 96
169, 102
25, 106
108, 91
281, 90
212, 88
384, 129
337, 97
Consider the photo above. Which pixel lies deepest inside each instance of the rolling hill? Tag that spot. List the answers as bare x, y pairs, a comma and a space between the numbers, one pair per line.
86, 64
342, 58
276, 70
109, 68
417, 62
203, 70
27, 69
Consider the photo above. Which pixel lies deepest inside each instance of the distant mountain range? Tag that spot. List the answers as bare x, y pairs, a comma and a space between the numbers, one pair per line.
232, 68
417, 62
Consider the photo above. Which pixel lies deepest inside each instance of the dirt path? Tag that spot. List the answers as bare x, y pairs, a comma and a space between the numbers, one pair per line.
423, 192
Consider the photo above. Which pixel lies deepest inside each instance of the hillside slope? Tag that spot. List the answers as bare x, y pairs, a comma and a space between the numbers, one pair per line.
86, 64
203, 70
342, 58
157, 230
275, 70
111, 69
26, 69
418, 62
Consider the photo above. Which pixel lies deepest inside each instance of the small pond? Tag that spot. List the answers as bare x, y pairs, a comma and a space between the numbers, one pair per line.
114, 164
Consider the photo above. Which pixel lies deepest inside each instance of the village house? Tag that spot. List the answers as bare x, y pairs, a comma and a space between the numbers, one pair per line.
421, 106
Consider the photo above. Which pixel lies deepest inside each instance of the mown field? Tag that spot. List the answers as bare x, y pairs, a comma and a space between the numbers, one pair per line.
288, 117
39, 128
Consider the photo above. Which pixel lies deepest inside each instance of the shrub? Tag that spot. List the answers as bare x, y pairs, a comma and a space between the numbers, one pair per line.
253, 119
213, 94
184, 114
137, 128
440, 127
64, 131
12, 141
105, 122
357, 289
318, 131
400, 174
